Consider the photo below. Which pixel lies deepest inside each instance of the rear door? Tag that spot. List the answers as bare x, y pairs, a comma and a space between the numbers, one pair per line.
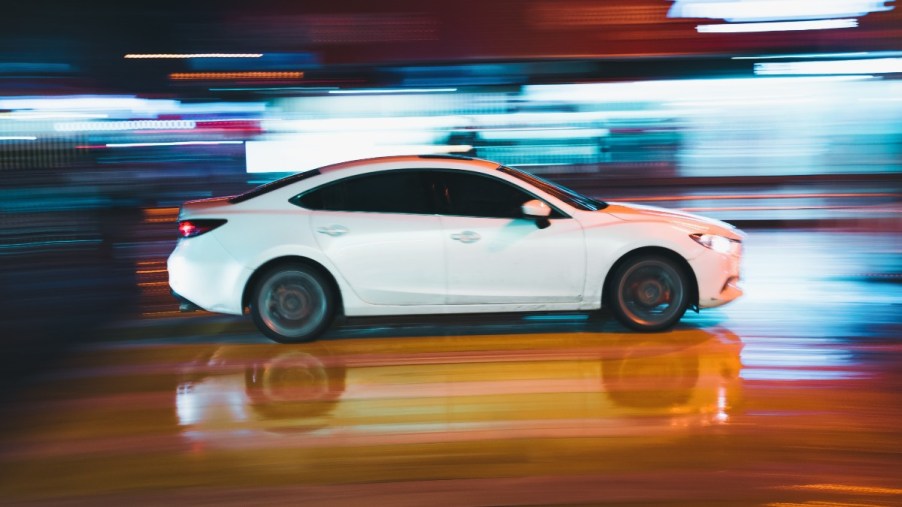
381, 232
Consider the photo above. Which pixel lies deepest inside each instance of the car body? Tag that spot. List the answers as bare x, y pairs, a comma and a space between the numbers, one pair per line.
417, 235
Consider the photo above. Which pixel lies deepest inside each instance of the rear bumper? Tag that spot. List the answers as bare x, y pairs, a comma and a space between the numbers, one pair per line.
204, 275
185, 305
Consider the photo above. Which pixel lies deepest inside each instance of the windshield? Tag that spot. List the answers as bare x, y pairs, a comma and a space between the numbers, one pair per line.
571, 197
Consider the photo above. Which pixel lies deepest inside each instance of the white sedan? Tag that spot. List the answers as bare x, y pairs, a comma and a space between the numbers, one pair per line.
434, 234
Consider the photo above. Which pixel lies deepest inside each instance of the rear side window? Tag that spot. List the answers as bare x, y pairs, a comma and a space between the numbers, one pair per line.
273, 185
386, 192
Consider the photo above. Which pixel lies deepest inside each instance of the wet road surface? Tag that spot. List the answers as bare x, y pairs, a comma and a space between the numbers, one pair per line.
789, 396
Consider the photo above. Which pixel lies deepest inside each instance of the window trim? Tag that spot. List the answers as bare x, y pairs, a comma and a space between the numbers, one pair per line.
573, 198
272, 186
436, 205
563, 214
295, 200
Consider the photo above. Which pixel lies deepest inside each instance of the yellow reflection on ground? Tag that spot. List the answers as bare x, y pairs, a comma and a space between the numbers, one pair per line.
144, 419
575, 418
461, 389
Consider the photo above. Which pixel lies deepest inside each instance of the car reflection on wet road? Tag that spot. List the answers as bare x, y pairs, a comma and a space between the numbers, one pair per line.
790, 397
475, 389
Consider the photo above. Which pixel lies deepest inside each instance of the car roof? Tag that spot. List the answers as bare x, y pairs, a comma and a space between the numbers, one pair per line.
374, 164
423, 161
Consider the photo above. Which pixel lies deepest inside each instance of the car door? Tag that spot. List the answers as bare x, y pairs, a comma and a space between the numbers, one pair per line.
496, 256
381, 232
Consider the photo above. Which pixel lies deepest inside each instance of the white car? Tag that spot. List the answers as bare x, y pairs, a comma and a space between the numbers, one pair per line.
436, 234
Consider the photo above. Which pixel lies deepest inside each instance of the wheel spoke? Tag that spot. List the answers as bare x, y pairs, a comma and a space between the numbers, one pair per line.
292, 303
651, 292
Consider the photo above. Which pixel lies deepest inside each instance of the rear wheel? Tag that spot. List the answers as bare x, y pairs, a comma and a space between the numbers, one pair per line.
292, 303
649, 293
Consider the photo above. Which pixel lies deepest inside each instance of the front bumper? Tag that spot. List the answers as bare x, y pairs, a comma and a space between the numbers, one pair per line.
718, 278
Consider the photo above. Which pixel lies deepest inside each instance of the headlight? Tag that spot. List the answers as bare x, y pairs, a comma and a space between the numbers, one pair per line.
718, 243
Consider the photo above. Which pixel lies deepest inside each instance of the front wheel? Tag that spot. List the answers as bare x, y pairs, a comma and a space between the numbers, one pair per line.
292, 303
649, 293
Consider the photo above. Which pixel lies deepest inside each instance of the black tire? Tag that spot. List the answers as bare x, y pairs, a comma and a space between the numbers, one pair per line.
648, 293
292, 303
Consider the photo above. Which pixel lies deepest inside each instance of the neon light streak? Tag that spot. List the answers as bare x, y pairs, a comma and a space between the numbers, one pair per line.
177, 143
138, 56
393, 90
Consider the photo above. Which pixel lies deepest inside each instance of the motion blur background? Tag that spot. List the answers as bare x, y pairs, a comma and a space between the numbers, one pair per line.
768, 114
113, 113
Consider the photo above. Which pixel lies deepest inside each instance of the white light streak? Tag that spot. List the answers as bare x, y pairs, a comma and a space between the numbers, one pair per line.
392, 90
310, 152
93, 103
86, 126
542, 133
812, 56
779, 26
831, 67
28, 115
139, 56
18, 138
772, 10
677, 91
177, 143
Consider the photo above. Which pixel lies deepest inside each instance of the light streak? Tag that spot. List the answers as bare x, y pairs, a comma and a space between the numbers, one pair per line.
831, 67
393, 90
762, 10
18, 138
207, 76
846, 488
758, 196
28, 115
176, 143
191, 55
84, 126
779, 26
860, 54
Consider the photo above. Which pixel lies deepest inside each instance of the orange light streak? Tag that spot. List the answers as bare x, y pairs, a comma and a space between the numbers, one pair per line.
758, 196
150, 271
791, 208
846, 488
208, 76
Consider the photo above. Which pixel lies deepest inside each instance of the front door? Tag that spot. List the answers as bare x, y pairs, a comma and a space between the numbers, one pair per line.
495, 256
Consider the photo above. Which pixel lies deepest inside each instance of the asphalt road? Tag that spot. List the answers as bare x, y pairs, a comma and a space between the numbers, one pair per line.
790, 396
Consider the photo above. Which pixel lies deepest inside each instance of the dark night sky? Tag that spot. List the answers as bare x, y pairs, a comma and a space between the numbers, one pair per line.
92, 35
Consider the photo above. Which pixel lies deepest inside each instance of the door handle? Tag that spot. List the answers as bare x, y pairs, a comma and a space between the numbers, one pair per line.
333, 230
466, 237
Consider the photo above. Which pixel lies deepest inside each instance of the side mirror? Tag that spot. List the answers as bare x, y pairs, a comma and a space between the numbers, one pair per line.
538, 210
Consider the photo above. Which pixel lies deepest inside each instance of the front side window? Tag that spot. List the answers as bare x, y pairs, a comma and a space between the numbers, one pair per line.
475, 195
385, 192
571, 197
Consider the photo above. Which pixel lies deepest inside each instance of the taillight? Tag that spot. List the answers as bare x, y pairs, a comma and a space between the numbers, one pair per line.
192, 228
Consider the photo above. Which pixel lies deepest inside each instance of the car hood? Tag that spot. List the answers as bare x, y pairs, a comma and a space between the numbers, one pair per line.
640, 213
